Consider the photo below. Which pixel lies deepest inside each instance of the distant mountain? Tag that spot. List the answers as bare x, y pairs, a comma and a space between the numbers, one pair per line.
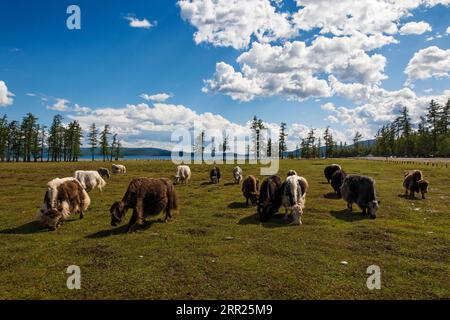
132, 152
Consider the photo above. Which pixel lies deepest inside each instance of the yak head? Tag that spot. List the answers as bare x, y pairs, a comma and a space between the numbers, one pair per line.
117, 211
52, 218
176, 179
373, 207
265, 210
423, 187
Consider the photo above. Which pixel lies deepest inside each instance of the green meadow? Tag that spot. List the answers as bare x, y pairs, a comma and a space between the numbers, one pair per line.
215, 248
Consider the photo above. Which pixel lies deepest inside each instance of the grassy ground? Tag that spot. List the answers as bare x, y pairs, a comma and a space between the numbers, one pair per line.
192, 256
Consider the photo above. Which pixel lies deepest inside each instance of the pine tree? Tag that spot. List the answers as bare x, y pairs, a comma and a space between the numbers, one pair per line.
282, 140
93, 139
257, 126
433, 122
199, 146
3, 137
104, 142
356, 139
225, 147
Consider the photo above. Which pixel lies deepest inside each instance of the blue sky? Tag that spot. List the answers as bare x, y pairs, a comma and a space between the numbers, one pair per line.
109, 64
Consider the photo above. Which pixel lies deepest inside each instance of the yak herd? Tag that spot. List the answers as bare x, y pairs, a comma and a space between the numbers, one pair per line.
151, 196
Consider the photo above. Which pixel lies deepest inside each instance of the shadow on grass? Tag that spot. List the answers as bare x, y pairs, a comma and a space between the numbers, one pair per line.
122, 229
209, 183
27, 228
238, 205
348, 216
230, 184
331, 195
276, 221
409, 197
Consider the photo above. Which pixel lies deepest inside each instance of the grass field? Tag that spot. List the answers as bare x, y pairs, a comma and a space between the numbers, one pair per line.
193, 257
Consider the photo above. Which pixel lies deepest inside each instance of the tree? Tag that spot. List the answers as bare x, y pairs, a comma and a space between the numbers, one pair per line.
93, 140
113, 146
213, 147
329, 143
356, 139
269, 148
282, 140
257, 126
225, 147
3, 137
199, 146
433, 122
104, 143
55, 138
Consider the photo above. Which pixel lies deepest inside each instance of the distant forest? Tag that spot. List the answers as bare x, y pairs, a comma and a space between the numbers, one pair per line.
30, 141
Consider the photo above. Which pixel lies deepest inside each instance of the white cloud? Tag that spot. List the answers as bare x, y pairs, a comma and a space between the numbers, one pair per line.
159, 97
293, 70
234, 22
79, 109
448, 30
5, 95
427, 63
60, 105
137, 23
415, 28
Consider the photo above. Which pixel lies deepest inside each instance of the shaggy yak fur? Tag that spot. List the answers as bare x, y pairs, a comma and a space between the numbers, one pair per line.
237, 174
183, 175
146, 196
250, 189
118, 168
214, 175
330, 170
104, 173
68, 198
292, 173
360, 190
293, 197
269, 198
336, 181
414, 182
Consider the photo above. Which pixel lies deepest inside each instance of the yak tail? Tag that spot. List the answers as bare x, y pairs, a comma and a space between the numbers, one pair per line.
173, 201
85, 200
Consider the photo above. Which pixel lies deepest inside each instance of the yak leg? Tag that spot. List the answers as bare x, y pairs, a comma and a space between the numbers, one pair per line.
406, 193
423, 195
349, 206
246, 201
137, 219
286, 214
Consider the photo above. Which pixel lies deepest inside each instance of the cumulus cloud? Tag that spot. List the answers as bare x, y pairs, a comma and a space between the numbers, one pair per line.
233, 23
60, 105
5, 95
448, 30
140, 23
427, 63
415, 28
294, 70
159, 97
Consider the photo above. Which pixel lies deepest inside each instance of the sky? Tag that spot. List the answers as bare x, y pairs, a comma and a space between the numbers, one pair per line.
148, 68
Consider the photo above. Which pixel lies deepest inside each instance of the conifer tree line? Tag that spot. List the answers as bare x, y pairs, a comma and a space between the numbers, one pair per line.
29, 141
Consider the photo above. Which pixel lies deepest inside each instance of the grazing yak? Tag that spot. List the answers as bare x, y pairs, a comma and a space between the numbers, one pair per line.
269, 201
360, 190
250, 189
293, 197
118, 168
330, 170
183, 175
237, 174
62, 198
414, 182
292, 173
90, 180
146, 196
336, 181
104, 173
214, 175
